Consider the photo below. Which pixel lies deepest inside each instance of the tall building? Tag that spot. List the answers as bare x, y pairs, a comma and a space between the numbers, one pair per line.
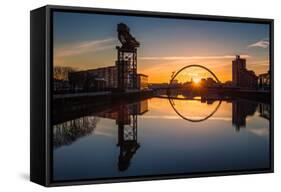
241, 77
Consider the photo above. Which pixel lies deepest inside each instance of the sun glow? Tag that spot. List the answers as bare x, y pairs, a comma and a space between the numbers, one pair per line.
196, 81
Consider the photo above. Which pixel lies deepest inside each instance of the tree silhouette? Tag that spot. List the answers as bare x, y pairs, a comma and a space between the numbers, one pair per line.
61, 72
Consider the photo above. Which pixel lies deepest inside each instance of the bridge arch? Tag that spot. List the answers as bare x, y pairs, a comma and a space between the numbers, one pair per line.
171, 99
194, 120
194, 65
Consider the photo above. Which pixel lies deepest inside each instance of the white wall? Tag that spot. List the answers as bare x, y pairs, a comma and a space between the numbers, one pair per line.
14, 102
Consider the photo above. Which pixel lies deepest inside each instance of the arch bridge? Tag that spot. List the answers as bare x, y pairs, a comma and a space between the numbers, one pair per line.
198, 66
171, 98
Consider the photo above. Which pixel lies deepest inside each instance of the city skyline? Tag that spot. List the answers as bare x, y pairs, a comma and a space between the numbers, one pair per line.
208, 43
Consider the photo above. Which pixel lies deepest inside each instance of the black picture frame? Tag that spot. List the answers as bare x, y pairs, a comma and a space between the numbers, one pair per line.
41, 54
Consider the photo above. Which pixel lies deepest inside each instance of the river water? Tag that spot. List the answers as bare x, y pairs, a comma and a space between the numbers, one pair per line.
161, 136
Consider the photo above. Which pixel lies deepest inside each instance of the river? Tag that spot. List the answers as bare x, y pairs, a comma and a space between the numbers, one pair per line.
161, 136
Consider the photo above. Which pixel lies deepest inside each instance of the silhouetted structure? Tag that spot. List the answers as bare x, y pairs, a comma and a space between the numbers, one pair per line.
142, 107
264, 80
126, 119
122, 76
126, 59
142, 81
174, 75
240, 110
241, 77
127, 136
94, 79
60, 85
209, 82
171, 101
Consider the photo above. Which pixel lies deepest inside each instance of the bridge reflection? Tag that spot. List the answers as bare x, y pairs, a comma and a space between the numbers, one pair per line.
126, 120
193, 120
241, 108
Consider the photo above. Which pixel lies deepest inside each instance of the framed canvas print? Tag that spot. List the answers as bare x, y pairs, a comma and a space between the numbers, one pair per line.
120, 95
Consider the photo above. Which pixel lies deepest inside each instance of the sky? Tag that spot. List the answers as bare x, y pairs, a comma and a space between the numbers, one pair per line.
87, 41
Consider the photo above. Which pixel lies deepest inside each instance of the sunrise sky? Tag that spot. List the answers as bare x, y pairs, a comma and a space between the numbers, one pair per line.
88, 41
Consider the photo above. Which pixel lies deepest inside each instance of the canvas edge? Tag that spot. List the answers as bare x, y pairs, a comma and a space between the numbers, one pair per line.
48, 65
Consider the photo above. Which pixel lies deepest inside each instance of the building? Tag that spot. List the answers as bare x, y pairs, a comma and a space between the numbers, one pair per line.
264, 80
142, 81
60, 86
94, 79
108, 73
227, 84
241, 77
209, 82
104, 78
86, 81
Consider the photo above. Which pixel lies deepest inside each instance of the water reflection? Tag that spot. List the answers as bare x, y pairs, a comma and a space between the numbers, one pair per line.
152, 116
127, 134
69, 131
264, 110
173, 105
125, 116
126, 119
240, 110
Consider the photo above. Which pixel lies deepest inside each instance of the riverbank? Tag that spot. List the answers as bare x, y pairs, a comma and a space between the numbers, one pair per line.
68, 106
